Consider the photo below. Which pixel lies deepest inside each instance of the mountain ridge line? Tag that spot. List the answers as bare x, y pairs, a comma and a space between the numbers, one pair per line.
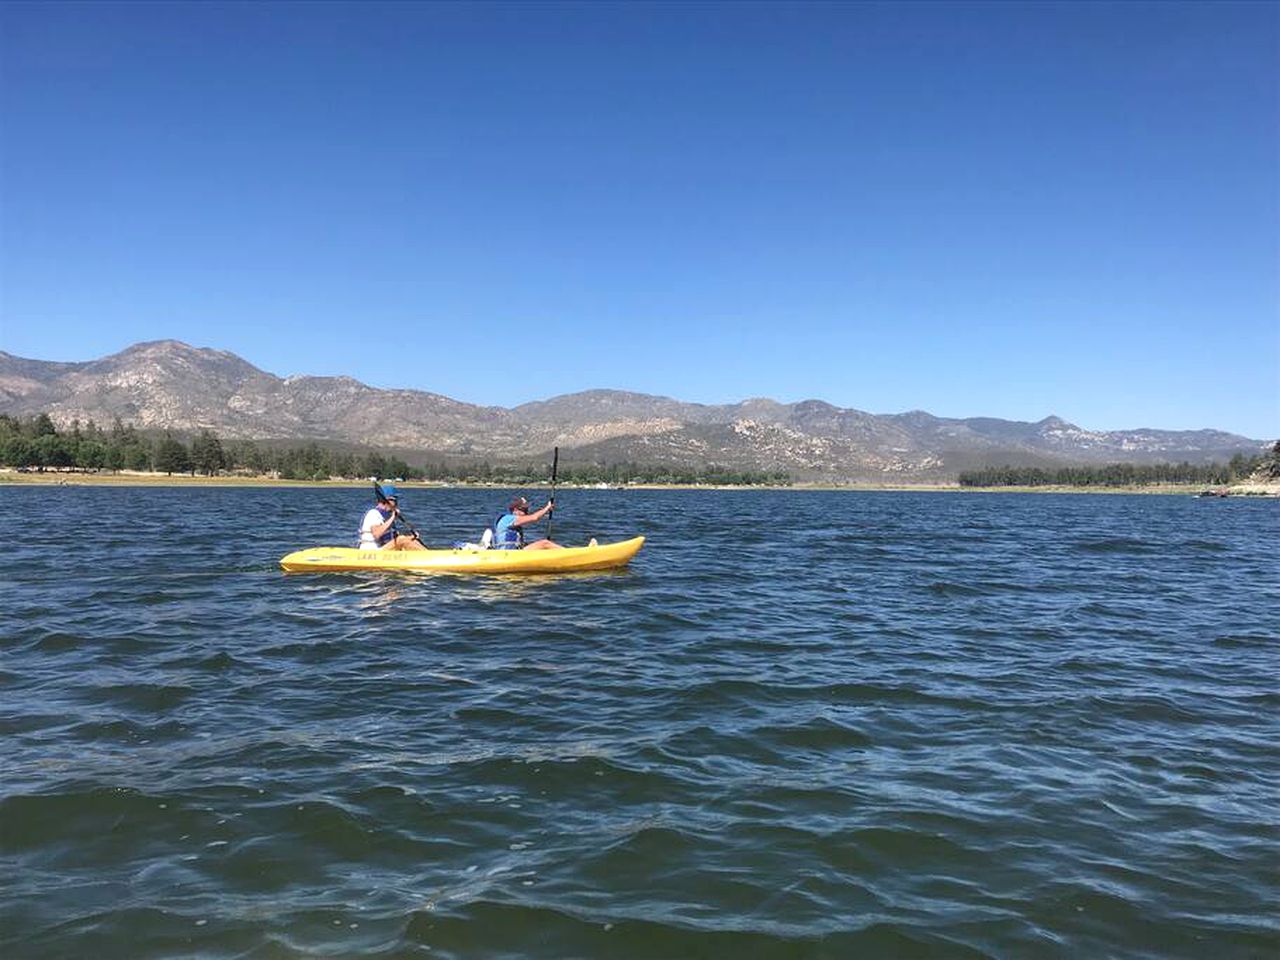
168, 384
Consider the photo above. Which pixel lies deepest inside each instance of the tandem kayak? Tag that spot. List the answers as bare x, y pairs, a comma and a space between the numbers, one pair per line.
604, 556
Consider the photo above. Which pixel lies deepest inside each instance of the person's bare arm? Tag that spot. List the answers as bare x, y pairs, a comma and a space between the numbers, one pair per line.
378, 529
532, 517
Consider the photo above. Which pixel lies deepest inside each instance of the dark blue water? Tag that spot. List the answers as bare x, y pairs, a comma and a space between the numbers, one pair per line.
800, 725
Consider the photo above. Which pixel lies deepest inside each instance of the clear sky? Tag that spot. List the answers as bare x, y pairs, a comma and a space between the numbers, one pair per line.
973, 209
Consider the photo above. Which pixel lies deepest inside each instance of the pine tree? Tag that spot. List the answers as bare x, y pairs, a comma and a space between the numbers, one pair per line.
206, 453
171, 456
42, 426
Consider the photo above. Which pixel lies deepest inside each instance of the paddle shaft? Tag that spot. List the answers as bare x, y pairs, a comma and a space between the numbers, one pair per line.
555, 465
403, 519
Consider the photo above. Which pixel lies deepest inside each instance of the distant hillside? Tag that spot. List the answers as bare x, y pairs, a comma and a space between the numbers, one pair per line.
170, 385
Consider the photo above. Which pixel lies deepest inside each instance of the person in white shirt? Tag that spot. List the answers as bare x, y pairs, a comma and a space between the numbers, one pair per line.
378, 528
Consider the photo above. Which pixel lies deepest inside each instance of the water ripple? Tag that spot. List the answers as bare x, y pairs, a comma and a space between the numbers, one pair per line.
865, 724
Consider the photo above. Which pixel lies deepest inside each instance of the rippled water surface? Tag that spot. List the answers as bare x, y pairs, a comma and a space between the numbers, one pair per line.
800, 725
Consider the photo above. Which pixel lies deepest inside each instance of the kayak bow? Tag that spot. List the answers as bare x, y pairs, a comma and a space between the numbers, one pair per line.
605, 556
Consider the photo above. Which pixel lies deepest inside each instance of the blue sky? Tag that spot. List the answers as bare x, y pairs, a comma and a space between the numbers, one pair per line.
973, 209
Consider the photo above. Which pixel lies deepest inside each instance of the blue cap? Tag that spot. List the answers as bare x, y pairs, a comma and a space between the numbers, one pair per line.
389, 491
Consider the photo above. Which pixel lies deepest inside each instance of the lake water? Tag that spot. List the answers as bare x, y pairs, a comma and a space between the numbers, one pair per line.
802, 724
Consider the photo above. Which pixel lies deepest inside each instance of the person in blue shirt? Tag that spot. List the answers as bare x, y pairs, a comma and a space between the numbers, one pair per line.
508, 532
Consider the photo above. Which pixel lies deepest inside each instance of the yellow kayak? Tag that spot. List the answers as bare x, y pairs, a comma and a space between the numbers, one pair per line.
604, 556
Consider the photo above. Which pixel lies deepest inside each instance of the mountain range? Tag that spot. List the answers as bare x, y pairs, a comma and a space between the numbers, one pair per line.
170, 385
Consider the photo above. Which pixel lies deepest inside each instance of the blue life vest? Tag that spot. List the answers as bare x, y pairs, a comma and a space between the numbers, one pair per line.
505, 535
391, 530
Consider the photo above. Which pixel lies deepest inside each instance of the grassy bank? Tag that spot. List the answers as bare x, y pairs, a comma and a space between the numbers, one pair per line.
139, 479
127, 478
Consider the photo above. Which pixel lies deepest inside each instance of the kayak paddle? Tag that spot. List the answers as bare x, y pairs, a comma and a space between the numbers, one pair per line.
555, 465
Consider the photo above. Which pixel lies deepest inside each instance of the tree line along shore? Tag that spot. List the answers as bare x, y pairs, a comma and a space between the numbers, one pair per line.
1238, 468
35, 444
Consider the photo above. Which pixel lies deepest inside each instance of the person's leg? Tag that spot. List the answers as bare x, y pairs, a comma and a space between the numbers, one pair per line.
407, 543
543, 545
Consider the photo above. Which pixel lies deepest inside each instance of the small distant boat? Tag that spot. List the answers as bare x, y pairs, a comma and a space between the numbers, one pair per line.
1211, 494
604, 556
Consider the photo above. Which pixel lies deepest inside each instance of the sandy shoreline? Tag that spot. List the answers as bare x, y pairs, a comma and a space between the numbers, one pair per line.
136, 479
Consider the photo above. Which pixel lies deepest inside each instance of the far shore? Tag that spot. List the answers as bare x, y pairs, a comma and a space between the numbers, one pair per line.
128, 478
